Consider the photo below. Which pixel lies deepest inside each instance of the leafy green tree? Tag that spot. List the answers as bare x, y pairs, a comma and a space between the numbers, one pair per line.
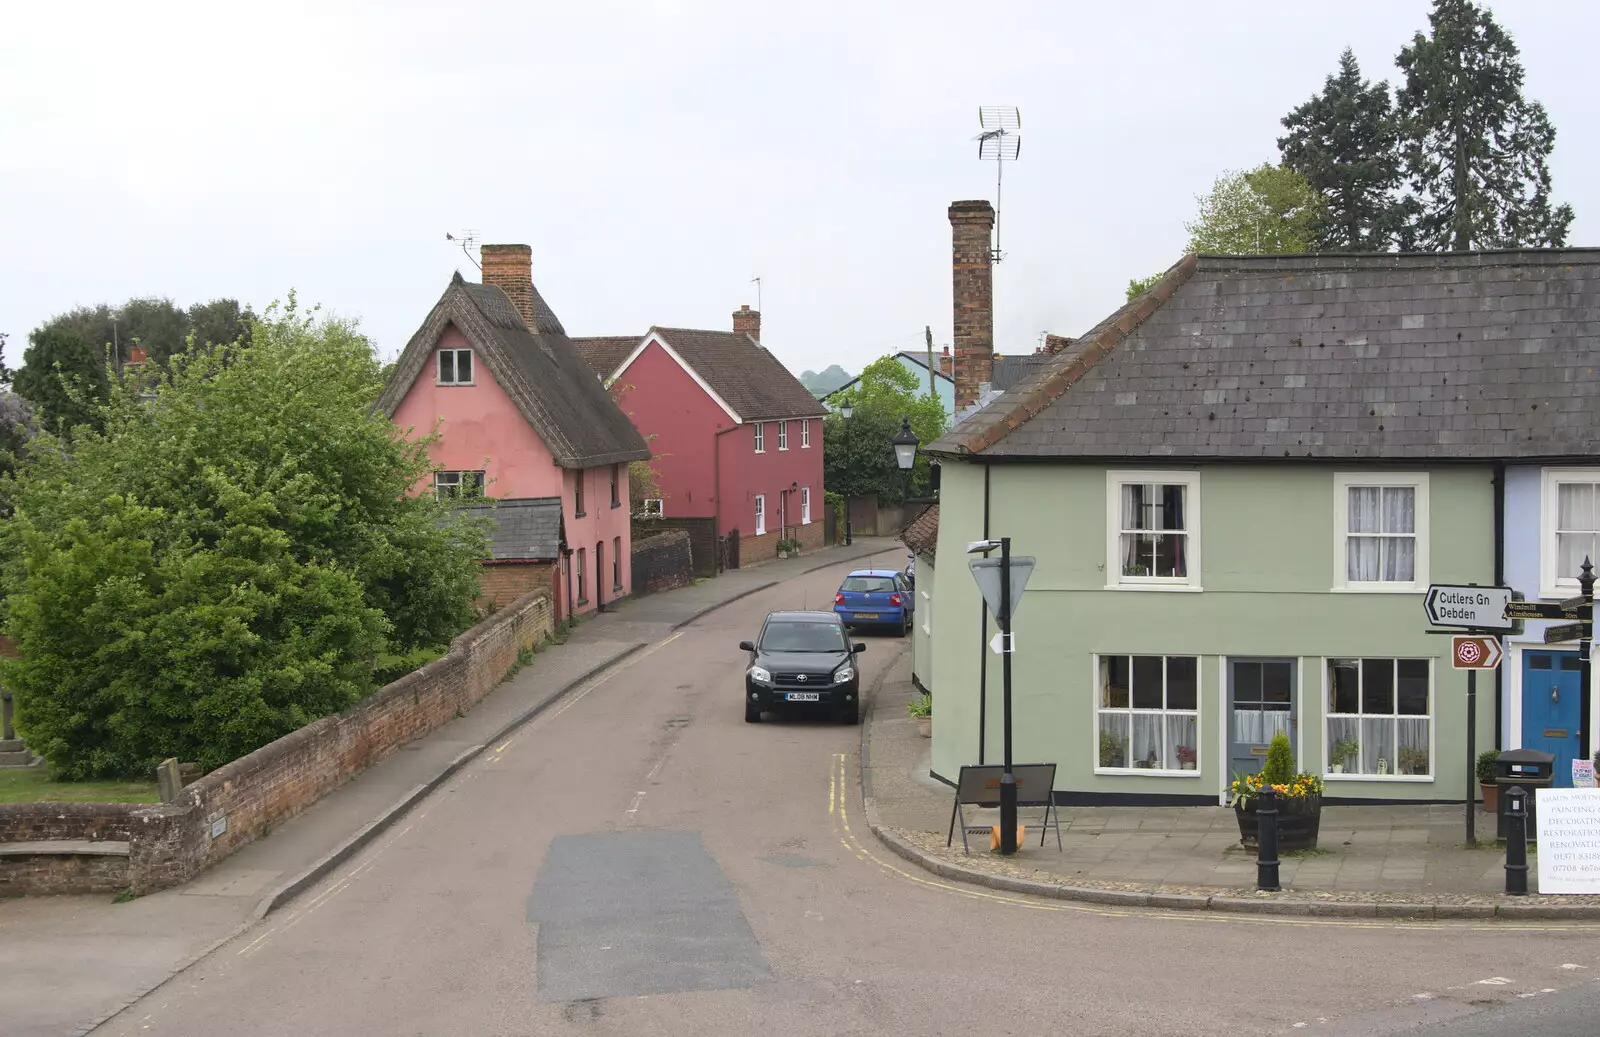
1343, 141
219, 322
224, 560
862, 460
1139, 285
16, 422
1279, 766
1266, 209
64, 377
1475, 150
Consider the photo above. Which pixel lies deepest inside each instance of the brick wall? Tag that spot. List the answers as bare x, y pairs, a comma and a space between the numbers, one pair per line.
502, 582
169, 844
50, 874
702, 538
662, 562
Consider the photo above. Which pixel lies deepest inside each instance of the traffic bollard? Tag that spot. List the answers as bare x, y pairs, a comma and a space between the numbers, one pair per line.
1516, 840
1267, 841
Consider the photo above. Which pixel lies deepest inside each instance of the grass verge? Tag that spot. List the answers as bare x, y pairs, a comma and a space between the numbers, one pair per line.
33, 785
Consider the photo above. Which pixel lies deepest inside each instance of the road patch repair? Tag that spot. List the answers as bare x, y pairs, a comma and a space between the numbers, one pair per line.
625, 914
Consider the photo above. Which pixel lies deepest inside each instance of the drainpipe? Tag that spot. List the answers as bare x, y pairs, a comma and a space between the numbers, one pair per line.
983, 635
1499, 580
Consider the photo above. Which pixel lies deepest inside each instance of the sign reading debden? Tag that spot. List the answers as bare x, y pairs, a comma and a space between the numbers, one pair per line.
1478, 608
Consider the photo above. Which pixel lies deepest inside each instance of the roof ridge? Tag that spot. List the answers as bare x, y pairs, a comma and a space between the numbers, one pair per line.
1036, 392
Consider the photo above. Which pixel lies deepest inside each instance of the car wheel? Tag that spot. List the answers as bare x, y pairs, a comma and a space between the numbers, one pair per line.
850, 716
752, 713
905, 626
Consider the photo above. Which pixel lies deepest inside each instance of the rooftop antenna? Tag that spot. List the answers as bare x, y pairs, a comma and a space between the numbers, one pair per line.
468, 240
757, 282
1000, 142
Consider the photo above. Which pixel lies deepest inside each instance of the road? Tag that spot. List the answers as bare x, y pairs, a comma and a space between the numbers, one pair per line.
640, 861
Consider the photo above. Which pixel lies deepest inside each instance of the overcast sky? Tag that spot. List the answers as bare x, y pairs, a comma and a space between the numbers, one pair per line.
658, 154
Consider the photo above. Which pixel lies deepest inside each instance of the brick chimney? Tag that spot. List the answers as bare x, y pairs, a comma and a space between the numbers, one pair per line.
1056, 343
747, 322
972, 277
511, 267
947, 363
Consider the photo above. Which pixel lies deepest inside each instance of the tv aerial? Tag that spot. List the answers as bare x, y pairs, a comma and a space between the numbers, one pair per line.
1000, 142
468, 240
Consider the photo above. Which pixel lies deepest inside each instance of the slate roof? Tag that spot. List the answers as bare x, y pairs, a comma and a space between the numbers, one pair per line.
1451, 356
606, 353
540, 369
922, 536
522, 529
1009, 370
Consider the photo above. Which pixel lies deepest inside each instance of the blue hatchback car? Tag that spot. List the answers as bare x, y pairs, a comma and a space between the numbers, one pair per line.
875, 598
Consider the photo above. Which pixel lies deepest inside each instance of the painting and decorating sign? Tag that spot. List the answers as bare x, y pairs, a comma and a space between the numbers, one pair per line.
1569, 840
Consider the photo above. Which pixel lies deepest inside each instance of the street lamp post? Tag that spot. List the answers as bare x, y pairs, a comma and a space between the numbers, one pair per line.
845, 410
1002, 585
905, 453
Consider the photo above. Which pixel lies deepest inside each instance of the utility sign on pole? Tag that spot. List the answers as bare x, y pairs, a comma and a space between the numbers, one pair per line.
1477, 608
1475, 653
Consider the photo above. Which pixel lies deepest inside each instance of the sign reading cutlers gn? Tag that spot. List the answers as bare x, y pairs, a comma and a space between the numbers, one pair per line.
1478, 608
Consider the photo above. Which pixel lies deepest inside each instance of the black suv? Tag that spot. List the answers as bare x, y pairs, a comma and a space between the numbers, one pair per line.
802, 659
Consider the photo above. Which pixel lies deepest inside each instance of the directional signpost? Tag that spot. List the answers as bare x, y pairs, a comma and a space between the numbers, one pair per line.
1474, 608
1566, 632
1475, 653
1484, 611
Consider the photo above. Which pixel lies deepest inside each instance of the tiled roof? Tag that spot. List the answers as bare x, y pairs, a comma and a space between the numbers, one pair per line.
523, 528
744, 373
922, 536
604, 354
554, 390
1009, 370
1471, 355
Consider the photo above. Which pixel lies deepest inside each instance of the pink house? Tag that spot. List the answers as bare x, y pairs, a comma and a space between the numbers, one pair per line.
522, 421
735, 436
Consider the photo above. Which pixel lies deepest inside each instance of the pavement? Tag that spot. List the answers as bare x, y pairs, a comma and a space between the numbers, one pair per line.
97, 957
1407, 861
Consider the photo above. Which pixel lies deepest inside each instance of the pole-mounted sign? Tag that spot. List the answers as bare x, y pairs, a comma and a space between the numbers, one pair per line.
1477, 608
1475, 653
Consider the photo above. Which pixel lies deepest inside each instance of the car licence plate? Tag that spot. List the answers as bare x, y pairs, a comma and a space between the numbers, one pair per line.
802, 696
866, 615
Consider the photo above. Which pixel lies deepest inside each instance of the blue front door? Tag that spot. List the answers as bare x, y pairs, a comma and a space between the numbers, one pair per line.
1551, 708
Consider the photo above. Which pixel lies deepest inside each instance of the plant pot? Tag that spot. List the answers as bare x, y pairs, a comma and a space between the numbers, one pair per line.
1187, 766
925, 726
1299, 818
1338, 768
1491, 797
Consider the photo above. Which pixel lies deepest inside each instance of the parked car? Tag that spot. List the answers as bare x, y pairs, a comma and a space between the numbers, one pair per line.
875, 598
802, 659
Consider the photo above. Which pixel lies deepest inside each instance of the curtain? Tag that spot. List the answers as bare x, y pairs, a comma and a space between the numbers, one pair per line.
1575, 525
1145, 750
1399, 516
1132, 518
1174, 518
1362, 552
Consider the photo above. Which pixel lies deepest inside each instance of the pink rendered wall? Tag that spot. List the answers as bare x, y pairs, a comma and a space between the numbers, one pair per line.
480, 428
746, 473
599, 524
679, 421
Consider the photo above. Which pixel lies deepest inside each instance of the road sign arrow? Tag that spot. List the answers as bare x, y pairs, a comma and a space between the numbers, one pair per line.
1566, 632
1000, 644
1476, 608
1475, 653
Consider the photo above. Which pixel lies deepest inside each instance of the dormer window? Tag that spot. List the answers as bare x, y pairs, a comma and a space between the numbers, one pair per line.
455, 367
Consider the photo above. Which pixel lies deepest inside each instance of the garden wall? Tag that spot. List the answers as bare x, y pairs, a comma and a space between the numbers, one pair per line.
662, 562
237, 803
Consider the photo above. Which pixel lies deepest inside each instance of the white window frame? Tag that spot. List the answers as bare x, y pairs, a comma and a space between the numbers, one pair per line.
653, 508
761, 515
616, 563
805, 433
783, 435
1115, 480
1551, 583
1343, 483
761, 437
1129, 711
1328, 715
583, 596
442, 479
455, 364
805, 505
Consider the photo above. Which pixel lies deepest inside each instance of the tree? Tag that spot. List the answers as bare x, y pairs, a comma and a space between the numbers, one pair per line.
64, 377
1267, 209
862, 461
1137, 286
224, 560
16, 422
1343, 142
1475, 151
219, 322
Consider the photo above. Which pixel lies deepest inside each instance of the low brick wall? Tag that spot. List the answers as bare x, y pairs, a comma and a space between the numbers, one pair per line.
42, 874
662, 562
702, 538
238, 803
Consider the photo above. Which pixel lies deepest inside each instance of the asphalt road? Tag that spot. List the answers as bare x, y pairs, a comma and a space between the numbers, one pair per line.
640, 861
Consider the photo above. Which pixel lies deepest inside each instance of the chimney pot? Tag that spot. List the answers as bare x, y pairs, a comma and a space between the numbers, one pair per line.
747, 322
510, 268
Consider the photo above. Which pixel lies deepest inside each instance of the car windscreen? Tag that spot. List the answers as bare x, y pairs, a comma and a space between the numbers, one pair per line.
868, 584
802, 637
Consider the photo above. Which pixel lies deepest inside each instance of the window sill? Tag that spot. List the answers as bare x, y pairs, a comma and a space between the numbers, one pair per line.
1378, 777
783, 450
1378, 588
581, 601
1559, 593
617, 587
1144, 772
805, 522
616, 504
1180, 588
455, 385
580, 514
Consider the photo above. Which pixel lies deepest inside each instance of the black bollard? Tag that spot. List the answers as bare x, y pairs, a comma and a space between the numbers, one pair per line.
1267, 840
1516, 840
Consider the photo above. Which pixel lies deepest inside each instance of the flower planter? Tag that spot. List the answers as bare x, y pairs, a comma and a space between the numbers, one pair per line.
925, 727
1299, 818
1491, 797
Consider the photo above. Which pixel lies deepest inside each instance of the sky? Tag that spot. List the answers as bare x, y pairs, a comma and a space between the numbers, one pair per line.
657, 155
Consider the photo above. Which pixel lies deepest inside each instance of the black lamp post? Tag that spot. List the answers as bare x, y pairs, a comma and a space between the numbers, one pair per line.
845, 410
905, 453
1002, 582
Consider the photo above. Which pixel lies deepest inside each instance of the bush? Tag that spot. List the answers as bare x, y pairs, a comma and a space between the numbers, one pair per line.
219, 558
1486, 761
1279, 768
